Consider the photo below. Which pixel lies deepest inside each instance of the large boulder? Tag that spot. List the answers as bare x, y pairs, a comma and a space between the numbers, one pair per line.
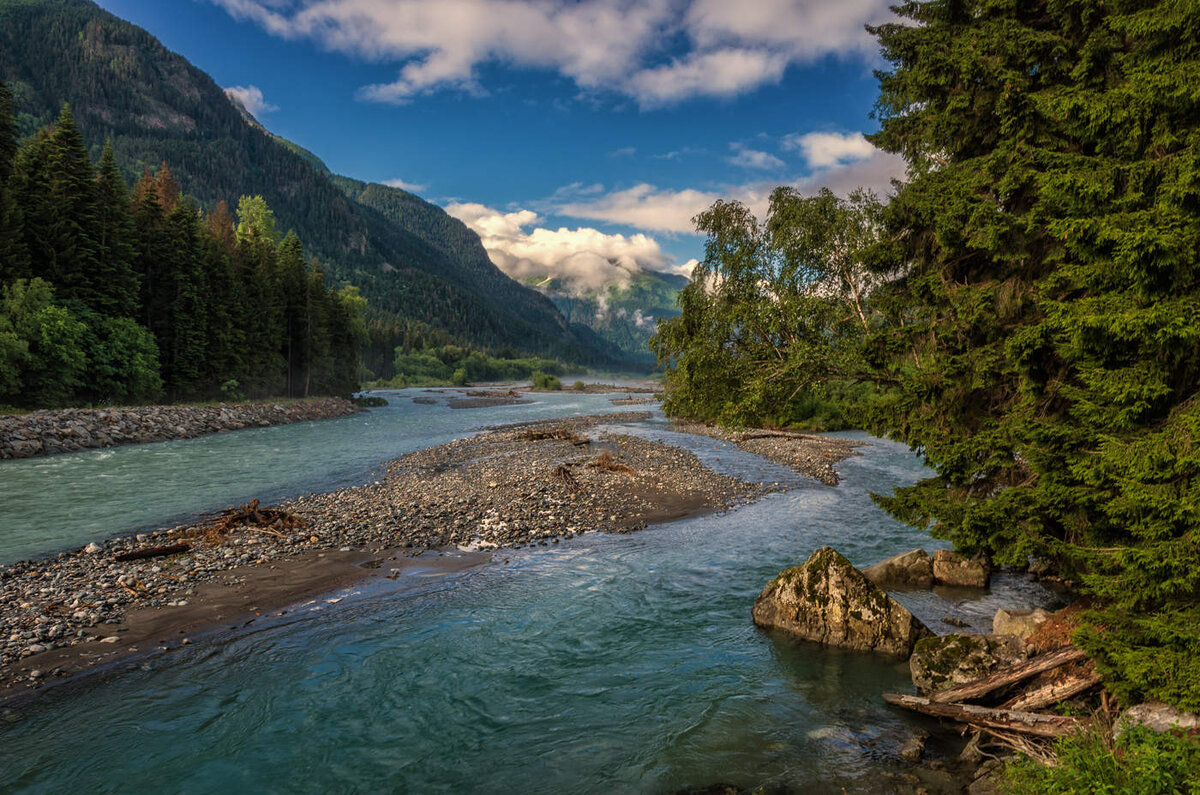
828, 601
910, 570
951, 568
951, 660
1021, 623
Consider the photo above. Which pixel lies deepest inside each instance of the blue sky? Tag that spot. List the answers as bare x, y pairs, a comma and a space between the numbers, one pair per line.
577, 136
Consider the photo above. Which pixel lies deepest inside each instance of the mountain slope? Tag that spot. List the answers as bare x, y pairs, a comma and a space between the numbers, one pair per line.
155, 106
623, 317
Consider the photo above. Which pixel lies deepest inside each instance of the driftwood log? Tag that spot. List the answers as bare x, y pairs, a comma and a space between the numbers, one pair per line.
1054, 692
991, 719
1009, 676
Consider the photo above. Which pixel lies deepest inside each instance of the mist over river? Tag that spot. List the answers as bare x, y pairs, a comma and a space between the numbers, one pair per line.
605, 663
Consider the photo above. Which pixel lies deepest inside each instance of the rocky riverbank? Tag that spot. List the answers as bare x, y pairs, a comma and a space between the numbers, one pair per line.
68, 430
513, 486
813, 456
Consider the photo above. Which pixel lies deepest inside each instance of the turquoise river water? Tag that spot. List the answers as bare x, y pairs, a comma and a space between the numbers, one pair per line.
606, 663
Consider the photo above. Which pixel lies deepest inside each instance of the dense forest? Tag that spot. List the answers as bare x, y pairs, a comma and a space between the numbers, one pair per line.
1024, 311
109, 295
421, 271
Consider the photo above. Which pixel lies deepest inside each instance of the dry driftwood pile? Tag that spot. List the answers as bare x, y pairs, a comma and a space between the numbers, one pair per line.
1016, 699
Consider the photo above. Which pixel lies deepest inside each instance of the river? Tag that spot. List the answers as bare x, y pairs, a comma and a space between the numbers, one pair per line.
605, 663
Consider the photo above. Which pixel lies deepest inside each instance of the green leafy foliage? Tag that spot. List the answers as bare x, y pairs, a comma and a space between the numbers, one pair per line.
1142, 762
774, 316
454, 364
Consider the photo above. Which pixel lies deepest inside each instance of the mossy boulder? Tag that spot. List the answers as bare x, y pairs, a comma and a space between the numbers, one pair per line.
827, 600
910, 570
951, 568
950, 660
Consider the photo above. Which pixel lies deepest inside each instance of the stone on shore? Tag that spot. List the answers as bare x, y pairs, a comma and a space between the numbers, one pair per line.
909, 570
951, 568
828, 601
951, 660
1021, 623
1156, 716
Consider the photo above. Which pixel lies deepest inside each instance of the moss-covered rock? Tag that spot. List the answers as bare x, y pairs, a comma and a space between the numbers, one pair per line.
828, 601
950, 660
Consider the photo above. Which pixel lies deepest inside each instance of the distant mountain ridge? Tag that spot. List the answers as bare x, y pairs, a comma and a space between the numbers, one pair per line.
156, 107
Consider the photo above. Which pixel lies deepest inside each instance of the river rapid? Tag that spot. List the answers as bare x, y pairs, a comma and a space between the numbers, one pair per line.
605, 663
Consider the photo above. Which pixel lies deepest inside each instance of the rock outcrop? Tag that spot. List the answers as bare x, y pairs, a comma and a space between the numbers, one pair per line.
1156, 716
1021, 623
910, 570
68, 430
951, 568
828, 601
949, 660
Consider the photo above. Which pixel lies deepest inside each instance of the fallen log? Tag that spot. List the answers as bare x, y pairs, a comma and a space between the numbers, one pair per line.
990, 718
1008, 676
1054, 692
152, 552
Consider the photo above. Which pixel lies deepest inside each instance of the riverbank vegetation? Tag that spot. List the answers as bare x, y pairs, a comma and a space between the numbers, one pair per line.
1024, 311
109, 295
456, 365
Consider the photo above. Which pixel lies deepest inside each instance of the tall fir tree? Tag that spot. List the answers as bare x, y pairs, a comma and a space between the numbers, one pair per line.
74, 229
14, 259
115, 285
1046, 333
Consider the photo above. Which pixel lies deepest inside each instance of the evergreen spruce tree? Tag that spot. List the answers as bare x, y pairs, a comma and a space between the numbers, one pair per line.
293, 284
73, 230
1046, 333
115, 285
14, 260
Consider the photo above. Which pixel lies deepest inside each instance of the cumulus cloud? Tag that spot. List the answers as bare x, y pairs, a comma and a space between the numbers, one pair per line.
720, 48
825, 149
582, 259
251, 98
752, 158
659, 209
411, 187
644, 207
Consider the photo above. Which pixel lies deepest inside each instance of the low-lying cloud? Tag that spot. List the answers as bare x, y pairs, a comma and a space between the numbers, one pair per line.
581, 260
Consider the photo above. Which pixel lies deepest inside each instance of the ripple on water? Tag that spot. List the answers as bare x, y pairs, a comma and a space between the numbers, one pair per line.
602, 664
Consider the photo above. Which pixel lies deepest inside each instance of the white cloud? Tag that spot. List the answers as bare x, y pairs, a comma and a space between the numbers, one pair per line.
720, 48
411, 187
823, 149
644, 207
251, 98
651, 208
580, 259
752, 158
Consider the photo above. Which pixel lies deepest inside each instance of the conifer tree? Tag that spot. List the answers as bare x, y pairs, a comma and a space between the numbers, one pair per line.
73, 231
13, 256
115, 284
1046, 333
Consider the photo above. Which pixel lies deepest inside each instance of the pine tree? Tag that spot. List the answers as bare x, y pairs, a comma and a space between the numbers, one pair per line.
1046, 333
14, 259
115, 284
74, 224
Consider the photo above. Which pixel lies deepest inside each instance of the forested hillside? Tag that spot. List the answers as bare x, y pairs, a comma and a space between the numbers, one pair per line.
155, 107
113, 297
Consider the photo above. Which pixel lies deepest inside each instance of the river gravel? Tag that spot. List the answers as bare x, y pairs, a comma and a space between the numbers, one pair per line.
506, 487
